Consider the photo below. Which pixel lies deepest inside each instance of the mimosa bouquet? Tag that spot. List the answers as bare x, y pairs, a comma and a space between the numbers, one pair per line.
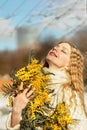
38, 113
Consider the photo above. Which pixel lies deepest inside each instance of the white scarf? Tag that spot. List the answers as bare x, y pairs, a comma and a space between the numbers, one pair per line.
58, 78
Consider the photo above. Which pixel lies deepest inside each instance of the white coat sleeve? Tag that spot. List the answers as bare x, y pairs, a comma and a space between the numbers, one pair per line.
17, 127
78, 114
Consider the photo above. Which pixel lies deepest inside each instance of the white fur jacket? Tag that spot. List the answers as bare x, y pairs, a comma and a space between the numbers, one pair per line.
57, 96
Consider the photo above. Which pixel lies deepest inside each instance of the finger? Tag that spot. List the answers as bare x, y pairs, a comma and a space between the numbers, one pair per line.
30, 92
20, 87
27, 89
32, 96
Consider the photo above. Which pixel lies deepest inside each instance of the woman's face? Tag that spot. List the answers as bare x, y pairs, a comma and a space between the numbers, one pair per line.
59, 56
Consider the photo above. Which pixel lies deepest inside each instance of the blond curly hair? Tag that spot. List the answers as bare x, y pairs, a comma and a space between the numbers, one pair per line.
76, 69
76, 72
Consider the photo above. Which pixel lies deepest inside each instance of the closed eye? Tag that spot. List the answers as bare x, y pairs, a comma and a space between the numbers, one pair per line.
64, 51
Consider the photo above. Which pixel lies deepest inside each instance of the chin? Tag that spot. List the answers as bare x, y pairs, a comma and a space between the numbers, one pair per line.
49, 58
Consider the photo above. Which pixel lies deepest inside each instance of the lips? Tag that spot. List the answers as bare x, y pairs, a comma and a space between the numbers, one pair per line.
53, 54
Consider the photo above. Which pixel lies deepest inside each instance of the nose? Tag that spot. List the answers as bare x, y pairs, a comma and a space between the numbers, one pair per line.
55, 48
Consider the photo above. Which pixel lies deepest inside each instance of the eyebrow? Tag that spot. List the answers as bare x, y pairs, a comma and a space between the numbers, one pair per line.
64, 48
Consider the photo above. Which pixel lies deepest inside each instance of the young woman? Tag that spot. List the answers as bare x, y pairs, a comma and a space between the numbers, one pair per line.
66, 62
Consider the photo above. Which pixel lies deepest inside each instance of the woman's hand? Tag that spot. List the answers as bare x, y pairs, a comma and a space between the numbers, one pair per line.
19, 103
21, 100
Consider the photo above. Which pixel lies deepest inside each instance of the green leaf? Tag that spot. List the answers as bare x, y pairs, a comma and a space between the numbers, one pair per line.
7, 89
31, 56
46, 72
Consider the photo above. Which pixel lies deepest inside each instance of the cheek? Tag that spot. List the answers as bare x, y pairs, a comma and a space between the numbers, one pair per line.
64, 60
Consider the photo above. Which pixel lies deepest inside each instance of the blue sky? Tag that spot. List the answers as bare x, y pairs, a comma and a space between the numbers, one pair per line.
18, 13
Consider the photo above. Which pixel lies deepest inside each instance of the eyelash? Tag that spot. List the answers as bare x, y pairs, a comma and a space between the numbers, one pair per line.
63, 51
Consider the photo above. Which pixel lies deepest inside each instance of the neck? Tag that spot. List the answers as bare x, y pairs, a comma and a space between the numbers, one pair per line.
54, 67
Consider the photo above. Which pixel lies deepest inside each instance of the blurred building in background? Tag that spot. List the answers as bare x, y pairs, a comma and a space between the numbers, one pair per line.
27, 37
